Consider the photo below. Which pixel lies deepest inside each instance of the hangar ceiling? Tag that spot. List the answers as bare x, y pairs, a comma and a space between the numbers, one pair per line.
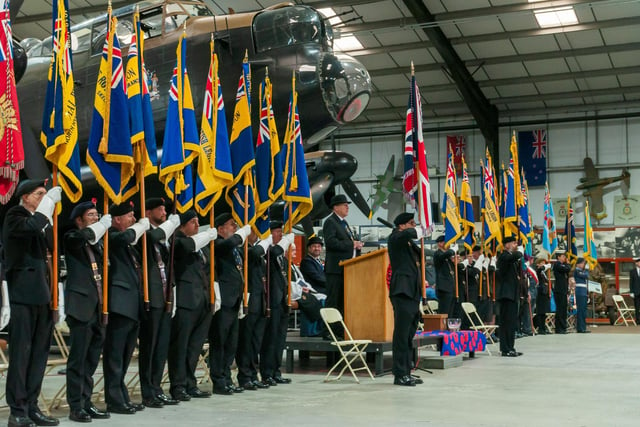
470, 56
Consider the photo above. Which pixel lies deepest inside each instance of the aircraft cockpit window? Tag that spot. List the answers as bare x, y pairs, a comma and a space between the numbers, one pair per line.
287, 26
177, 13
124, 30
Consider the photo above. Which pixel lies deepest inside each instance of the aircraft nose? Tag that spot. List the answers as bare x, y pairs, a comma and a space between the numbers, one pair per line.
346, 86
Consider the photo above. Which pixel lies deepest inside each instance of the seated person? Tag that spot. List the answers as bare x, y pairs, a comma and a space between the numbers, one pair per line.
311, 266
305, 298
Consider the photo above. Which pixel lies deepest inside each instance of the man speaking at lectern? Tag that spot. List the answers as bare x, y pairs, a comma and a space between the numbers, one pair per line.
405, 292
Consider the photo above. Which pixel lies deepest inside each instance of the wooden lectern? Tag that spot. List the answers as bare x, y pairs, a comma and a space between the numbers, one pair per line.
367, 309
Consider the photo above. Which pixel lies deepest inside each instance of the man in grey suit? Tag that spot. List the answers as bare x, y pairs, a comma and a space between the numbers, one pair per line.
340, 244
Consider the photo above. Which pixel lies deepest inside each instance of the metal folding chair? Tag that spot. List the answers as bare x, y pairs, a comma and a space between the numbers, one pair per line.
477, 324
625, 314
350, 349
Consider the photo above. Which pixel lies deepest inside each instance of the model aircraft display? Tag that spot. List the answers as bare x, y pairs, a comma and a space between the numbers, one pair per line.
333, 89
593, 187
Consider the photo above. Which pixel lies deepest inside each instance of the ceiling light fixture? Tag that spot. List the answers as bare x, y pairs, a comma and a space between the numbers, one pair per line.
556, 17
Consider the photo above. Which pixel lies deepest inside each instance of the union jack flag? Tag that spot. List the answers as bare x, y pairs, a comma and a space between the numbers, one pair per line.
539, 143
532, 149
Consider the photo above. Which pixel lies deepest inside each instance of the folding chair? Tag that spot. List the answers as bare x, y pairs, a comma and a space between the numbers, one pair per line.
349, 349
625, 314
550, 322
478, 324
433, 305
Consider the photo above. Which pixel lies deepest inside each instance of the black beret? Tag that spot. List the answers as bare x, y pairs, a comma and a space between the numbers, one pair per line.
274, 225
121, 209
476, 248
187, 216
580, 260
153, 202
440, 238
313, 240
508, 240
338, 199
81, 208
403, 218
463, 252
28, 186
222, 218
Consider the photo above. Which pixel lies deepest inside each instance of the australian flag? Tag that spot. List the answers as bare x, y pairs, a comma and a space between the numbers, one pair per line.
533, 146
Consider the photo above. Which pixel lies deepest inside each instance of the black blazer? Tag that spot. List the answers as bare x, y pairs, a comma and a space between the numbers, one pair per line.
543, 281
192, 278
338, 243
81, 292
313, 273
405, 259
561, 273
278, 288
634, 282
257, 279
125, 297
25, 248
472, 274
229, 270
508, 275
444, 270
156, 248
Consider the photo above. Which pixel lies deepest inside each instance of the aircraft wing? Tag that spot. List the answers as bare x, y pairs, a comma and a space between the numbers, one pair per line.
590, 171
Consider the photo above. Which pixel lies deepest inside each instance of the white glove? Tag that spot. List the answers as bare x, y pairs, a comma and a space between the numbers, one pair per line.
485, 264
632, 295
170, 225
465, 263
213, 233
479, 262
175, 302
419, 232
520, 249
587, 266
454, 247
264, 244
286, 240
99, 228
493, 262
5, 311
140, 227
61, 314
55, 194
202, 239
217, 304
243, 232
547, 266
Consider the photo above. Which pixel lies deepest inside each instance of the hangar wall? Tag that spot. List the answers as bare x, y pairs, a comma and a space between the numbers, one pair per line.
611, 143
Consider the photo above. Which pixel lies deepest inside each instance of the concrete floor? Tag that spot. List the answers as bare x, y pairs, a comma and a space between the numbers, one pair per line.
562, 380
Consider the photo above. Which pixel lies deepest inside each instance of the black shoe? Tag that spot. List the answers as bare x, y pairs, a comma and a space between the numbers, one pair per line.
405, 380
42, 420
224, 391
562, 332
249, 385
519, 353
166, 399
584, 332
20, 421
180, 396
97, 413
198, 394
509, 354
80, 416
154, 402
416, 379
281, 380
269, 381
121, 409
137, 406
259, 384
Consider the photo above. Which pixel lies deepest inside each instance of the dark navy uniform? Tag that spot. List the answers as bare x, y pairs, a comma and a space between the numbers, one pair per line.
509, 273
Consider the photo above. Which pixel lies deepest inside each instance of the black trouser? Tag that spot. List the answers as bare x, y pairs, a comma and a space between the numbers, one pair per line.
275, 338
29, 340
508, 324
335, 289
86, 339
636, 302
445, 302
406, 315
223, 343
188, 333
485, 309
155, 328
542, 308
561, 312
249, 343
119, 343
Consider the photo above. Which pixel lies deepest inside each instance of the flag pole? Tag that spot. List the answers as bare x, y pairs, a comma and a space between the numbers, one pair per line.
245, 299
54, 261
143, 209
289, 252
212, 270
105, 266
168, 306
